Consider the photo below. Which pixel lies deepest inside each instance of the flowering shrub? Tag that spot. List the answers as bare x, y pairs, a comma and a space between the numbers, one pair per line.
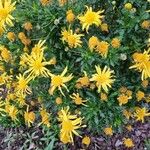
74, 66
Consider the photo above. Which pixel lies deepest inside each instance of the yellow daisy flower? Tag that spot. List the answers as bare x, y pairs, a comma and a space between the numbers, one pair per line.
11, 36
70, 16
90, 17
77, 99
69, 124
58, 81
103, 78
73, 39
36, 63
12, 112
86, 140
123, 99
27, 26
142, 63
45, 2
140, 114
84, 81
102, 48
45, 117
38, 48
6, 8
22, 87
29, 117
128, 142
108, 131
93, 42
140, 95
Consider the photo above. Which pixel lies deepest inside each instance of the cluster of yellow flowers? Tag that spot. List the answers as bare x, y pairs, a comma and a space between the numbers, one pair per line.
33, 64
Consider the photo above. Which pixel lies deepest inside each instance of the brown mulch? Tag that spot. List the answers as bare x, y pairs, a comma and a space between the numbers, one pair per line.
13, 139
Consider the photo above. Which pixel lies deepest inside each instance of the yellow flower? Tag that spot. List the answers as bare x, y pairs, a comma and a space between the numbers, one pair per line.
84, 81
65, 34
77, 99
78, 85
129, 93
4, 78
22, 85
58, 100
103, 97
69, 124
86, 140
104, 27
70, 16
21, 35
12, 112
145, 24
140, 95
6, 8
128, 142
27, 26
45, 2
123, 99
29, 117
108, 131
90, 17
45, 117
93, 42
21, 100
5, 54
142, 63
103, 78
123, 89
37, 65
127, 114
140, 114
147, 99
145, 83
39, 48
62, 2
115, 43
102, 48
129, 128
58, 81
71, 38
26, 41
11, 36
128, 6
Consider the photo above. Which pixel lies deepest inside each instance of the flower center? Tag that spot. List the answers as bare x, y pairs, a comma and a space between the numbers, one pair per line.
3, 14
22, 84
78, 101
101, 79
57, 80
67, 125
37, 65
90, 18
71, 40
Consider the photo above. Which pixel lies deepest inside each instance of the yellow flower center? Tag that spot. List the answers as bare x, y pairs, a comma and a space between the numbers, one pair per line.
57, 80
90, 17
22, 84
37, 65
78, 100
3, 14
71, 40
67, 125
101, 79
